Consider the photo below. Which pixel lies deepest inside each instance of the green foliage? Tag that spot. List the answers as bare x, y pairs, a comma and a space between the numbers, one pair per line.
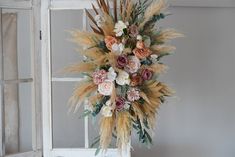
144, 136
85, 113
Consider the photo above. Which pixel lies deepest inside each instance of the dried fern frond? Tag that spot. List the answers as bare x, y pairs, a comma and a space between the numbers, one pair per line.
106, 128
153, 9
160, 49
123, 128
95, 98
79, 94
166, 35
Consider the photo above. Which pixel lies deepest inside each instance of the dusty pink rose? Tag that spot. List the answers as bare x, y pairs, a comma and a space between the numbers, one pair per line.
106, 88
133, 30
109, 41
133, 64
133, 94
140, 44
120, 102
122, 61
99, 76
146, 74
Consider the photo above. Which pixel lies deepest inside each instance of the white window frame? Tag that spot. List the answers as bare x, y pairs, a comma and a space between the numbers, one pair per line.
34, 7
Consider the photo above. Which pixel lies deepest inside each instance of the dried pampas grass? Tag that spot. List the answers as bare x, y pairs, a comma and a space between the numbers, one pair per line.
80, 93
123, 128
160, 49
106, 130
153, 9
166, 35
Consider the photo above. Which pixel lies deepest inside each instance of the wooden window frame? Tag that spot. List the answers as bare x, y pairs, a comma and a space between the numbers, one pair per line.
34, 7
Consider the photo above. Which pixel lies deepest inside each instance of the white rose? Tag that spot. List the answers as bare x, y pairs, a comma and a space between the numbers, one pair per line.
118, 28
123, 78
147, 41
153, 58
118, 48
105, 88
99, 20
107, 111
139, 37
133, 64
111, 74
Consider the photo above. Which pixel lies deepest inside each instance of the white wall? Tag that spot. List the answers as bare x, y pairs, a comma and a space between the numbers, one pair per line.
200, 121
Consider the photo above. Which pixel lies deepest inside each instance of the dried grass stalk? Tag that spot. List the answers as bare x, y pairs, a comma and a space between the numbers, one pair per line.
158, 68
153, 9
123, 128
106, 129
85, 39
81, 67
108, 25
160, 49
166, 35
79, 95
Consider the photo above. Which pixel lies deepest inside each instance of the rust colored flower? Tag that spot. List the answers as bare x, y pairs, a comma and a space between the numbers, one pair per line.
109, 41
141, 53
136, 80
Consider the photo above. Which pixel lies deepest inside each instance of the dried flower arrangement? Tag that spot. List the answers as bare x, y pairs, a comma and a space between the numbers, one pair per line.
122, 66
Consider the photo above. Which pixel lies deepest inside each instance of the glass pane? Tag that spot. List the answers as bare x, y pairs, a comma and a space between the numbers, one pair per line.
68, 128
64, 51
18, 117
16, 43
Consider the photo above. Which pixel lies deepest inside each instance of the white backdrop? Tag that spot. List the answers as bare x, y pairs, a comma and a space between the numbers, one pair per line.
200, 121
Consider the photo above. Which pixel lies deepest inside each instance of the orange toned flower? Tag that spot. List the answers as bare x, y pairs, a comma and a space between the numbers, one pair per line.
141, 53
109, 41
140, 44
136, 80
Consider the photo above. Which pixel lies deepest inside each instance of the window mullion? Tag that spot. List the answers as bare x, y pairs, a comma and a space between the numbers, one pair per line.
2, 128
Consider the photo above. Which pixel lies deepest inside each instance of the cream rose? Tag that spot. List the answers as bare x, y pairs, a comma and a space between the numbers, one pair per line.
133, 64
107, 111
106, 88
123, 78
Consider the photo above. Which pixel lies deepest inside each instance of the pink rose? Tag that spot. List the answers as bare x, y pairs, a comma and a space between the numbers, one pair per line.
142, 53
133, 30
133, 94
106, 88
109, 41
99, 76
146, 74
122, 61
120, 102
133, 64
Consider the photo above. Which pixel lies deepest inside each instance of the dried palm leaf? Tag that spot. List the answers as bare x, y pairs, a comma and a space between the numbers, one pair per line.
115, 10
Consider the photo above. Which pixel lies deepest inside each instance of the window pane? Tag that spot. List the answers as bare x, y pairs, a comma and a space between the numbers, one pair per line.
68, 128
18, 117
64, 51
16, 43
